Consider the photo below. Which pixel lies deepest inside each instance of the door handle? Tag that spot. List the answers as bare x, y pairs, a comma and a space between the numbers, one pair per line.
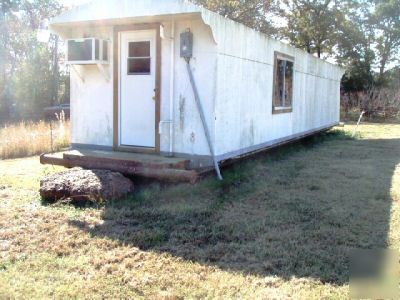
155, 94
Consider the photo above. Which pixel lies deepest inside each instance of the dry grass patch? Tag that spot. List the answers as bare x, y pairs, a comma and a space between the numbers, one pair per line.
27, 139
280, 226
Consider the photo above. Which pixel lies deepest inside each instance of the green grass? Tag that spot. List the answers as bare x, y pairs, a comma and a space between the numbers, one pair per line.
281, 225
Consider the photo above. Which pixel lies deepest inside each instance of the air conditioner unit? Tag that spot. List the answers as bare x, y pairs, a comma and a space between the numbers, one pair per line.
87, 51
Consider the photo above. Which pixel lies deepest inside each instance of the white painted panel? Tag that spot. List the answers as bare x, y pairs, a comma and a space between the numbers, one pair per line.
92, 99
189, 137
244, 116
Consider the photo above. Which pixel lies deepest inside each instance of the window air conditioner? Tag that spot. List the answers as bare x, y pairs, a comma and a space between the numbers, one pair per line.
87, 51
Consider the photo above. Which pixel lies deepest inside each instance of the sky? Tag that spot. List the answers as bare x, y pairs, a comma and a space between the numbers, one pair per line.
70, 3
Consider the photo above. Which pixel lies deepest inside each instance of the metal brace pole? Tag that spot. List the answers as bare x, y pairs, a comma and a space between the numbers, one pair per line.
358, 124
203, 119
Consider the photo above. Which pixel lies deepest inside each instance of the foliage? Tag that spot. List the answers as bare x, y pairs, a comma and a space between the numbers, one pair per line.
387, 19
252, 13
393, 78
26, 67
370, 40
312, 25
376, 103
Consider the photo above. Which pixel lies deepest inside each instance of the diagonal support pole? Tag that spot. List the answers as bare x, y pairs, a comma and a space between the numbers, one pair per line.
203, 119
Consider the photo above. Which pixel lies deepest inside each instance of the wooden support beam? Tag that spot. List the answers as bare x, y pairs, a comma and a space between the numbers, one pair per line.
49, 159
124, 167
128, 160
164, 174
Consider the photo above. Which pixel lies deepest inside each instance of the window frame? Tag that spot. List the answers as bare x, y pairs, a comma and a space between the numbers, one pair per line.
133, 58
281, 109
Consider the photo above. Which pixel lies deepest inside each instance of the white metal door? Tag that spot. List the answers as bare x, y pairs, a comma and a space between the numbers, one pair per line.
137, 105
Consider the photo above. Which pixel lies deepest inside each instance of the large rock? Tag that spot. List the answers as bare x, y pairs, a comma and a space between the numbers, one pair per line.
79, 184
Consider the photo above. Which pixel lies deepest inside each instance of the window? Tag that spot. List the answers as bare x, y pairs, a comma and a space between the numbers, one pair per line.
87, 50
283, 83
139, 60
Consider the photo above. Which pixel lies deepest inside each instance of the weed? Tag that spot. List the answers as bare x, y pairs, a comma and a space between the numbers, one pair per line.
27, 139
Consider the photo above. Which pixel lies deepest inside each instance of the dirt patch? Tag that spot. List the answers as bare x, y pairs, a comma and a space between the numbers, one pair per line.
81, 185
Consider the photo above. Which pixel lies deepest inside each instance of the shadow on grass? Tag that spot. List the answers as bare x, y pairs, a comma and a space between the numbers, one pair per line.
296, 211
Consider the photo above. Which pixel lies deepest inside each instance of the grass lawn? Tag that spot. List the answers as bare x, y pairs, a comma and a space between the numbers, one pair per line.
280, 226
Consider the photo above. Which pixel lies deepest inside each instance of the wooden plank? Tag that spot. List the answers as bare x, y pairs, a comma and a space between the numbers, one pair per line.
153, 171
156, 163
124, 167
48, 159
129, 156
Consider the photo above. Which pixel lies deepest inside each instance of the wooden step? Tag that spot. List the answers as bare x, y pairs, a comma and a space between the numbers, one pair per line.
129, 159
160, 168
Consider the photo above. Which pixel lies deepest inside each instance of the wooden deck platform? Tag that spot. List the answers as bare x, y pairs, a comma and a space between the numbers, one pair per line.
169, 169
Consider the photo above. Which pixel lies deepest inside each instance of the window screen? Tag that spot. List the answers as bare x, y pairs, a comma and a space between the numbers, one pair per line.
80, 50
283, 83
139, 60
96, 49
105, 50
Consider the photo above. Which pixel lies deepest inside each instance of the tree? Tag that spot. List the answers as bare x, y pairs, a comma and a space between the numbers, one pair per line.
312, 24
387, 19
355, 46
369, 37
7, 66
25, 63
252, 13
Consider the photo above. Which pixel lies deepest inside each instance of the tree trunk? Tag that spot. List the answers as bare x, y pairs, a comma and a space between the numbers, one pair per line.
382, 66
